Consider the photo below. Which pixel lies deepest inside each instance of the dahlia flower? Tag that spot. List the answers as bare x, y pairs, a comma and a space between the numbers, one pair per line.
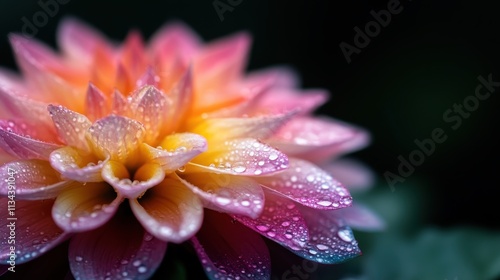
122, 149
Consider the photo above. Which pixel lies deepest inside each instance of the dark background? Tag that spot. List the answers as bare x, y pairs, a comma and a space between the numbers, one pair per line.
398, 87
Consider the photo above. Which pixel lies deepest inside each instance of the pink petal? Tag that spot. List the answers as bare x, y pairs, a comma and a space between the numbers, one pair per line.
150, 107
176, 150
280, 100
175, 40
280, 221
24, 147
146, 177
31, 180
85, 207
36, 131
221, 129
227, 193
169, 211
227, 250
133, 56
317, 139
353, 174
308, 185
149, 78
36, 233
275, 77
242, 157
120, 104
117, 136
70, 126
76, 165
79, 41
96, 103
360, 217
120, 248
182, 98
330, 240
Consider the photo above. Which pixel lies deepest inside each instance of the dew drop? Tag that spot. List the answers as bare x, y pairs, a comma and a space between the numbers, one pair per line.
346, 235
142, 269
273, 156
78, 259
325, 203
239, 169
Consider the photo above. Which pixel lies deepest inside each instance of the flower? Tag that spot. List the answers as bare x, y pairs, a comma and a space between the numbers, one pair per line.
124, 149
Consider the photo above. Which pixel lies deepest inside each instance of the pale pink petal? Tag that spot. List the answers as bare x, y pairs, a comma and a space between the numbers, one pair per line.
120, 104
278, 101
146, 177
181, 96
35, 232
274, 77
228, 250
85, 207
149, 78
242, 157
227, 193
31, 180
33, 112
25, 147
308, 185
150, 107
71, 126
222, 129
169, 211
331, 241
133, 56
176, 150
353, 174
360, 217
78, 166
317, 139
13, 83
117, 136
280, 221
79, 41
119, 249
175, 40
21, 127
96, 103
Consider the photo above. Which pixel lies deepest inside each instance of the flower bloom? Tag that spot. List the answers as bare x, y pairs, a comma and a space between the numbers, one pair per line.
124, 149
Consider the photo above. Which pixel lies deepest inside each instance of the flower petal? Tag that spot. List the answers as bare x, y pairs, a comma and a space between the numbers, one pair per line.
31, 180
360, 217
169, 211
36, 232
308, 185
25, 147
120, 248
220, 129
117, 136
70, 126
227, 193
278, 101
317, 139
280, 221
96, 103
240, 254
353, 174
242, 157
77, 165
146, 176
274, 77
331, 241
176, 150
21, 127
150, 107
85, 207
181, 95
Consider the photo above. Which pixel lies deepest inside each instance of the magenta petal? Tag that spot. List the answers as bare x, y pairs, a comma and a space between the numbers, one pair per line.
228, 250
331, 241
360, 217
308, 185
36, 233
317, 139
280, 221
24, 147
31, 180
73, 165
85, 207
353, 174
278, 101
119, 249
227, 193
70, 126
242, 157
